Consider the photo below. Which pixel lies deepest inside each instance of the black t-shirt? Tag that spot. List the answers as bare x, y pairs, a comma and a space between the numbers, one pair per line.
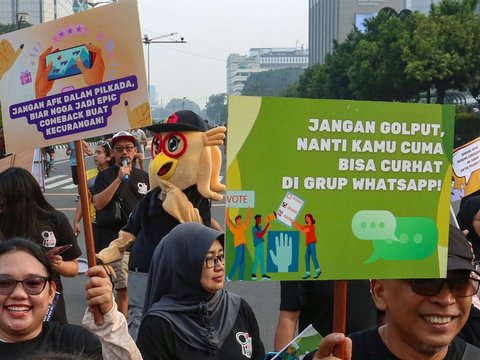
129, 193
157, 341
471, 330
368, 345
71, 339
57, 223
314, 300
56, 231
149, 222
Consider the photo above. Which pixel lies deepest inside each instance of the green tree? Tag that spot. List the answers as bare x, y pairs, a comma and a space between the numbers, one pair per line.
177, 104
6, 28
270, 83
310, 83
401, 55
337, 81
329, 80
445, 52
378, 66
216, 108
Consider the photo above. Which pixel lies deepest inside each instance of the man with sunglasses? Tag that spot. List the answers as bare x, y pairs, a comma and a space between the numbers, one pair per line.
116, 192
423, 316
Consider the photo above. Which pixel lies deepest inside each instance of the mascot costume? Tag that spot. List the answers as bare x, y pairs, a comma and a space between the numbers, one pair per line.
184, 178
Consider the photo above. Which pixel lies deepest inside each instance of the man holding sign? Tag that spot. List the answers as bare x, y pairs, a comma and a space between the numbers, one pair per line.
423, 316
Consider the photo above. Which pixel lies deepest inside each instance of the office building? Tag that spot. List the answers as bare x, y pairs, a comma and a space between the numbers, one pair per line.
239, 67
331, 20
38, 11
153, 96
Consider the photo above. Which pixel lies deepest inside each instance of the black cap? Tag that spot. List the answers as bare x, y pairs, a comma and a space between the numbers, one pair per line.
183, 120
460, 254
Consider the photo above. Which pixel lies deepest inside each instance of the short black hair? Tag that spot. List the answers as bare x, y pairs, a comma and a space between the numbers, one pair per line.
28, 246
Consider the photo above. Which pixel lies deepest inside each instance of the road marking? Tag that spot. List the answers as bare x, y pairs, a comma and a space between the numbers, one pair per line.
59, 180
59, 194
58, 183
53, 178
72, 186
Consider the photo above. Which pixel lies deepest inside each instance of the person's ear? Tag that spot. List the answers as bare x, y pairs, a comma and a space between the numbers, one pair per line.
377, 289
51, 291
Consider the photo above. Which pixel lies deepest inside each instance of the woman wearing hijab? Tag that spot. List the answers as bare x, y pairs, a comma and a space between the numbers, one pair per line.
468, 218
187, 313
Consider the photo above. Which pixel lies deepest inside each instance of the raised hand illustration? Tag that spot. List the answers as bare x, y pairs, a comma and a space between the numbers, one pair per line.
93, 75
7, 56
284, 252
139, 116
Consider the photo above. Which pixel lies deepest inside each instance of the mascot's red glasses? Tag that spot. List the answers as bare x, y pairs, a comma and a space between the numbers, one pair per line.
174, 144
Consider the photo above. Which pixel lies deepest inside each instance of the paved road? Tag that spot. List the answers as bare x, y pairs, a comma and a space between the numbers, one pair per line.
61, 193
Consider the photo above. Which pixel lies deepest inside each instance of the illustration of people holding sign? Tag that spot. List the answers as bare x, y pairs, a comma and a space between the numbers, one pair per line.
311, 242
240, 241
258, 241
376, 159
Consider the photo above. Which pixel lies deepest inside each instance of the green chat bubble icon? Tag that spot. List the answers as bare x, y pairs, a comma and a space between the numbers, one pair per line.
417, 239
374, 225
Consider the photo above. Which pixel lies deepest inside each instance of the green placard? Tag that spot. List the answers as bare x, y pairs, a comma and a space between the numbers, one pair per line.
344, 189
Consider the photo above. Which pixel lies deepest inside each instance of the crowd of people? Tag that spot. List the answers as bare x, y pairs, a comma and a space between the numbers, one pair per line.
167, 299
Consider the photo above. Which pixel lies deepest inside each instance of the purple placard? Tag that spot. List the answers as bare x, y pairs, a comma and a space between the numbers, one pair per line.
74, 111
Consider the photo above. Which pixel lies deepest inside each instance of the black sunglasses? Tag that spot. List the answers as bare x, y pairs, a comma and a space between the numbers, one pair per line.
460, 286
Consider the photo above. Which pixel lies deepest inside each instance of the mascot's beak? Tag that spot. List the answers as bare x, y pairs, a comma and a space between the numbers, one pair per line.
163, 166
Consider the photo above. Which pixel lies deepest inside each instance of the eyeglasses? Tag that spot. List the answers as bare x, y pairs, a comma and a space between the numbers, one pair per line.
173, 144
212, 261
461, 287
105, 144
32, 286
127, 148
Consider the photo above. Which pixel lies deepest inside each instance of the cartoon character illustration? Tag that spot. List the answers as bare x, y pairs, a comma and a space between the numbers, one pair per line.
140, 116
311, 242
8, 56
92, 75
456, 193
258, 241
240, 242
184, 178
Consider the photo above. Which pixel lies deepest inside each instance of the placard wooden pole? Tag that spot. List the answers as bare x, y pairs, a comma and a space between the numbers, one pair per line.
87, 220
339, 313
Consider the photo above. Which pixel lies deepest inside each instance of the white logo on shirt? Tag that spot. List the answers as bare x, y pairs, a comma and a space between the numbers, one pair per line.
246, 342
49, 239
142, 188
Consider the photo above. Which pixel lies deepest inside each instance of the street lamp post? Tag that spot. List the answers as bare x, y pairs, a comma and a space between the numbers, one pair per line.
21, 17
155, 40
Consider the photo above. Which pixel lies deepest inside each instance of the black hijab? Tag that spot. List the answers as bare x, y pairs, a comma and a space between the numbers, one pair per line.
465, 216
174, 291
